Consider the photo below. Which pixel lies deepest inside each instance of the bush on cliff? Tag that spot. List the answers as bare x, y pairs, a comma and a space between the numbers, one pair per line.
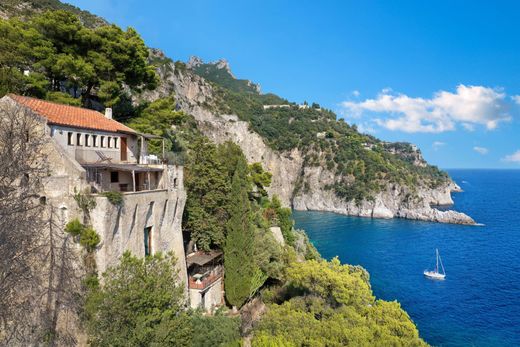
329, 304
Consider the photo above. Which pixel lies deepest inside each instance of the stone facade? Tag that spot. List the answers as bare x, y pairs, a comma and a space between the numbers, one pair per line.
156, 213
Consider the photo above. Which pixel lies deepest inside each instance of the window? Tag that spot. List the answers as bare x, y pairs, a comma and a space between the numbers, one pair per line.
148, 241
102, 145
114, 177
70, 138
94, 140
87, 140
78, 139
43, 200
109, 142
115, 142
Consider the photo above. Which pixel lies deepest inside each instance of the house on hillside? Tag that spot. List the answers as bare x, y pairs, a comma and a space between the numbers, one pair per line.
205, 279
89, 152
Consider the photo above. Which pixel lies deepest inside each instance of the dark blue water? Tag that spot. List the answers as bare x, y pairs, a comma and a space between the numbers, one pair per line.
479, 302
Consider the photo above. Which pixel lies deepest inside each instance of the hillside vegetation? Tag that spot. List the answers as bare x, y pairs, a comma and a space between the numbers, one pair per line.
362, 164
28, 8
140, 302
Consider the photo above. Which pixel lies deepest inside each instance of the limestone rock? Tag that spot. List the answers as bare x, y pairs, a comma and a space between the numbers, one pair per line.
278, 236
195, 96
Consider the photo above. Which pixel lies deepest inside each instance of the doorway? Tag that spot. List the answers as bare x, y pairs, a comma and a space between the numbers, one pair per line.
123, 149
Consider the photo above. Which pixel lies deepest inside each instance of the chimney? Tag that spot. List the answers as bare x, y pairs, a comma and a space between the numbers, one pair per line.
108, 113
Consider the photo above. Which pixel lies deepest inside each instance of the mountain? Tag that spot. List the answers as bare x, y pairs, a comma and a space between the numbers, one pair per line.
27, 8
318, 162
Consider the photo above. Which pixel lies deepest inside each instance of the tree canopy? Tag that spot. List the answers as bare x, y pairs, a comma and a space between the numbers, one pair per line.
61, 54
329, 304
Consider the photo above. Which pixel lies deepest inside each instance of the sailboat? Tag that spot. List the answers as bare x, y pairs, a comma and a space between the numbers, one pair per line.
436, 275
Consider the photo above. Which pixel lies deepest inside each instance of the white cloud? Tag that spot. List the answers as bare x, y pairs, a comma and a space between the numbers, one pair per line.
515, 157
366, 129
437, 144
469, 106
516, 98
481, 150
356, 93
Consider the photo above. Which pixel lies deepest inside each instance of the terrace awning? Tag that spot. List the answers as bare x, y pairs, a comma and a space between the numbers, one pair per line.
202, 258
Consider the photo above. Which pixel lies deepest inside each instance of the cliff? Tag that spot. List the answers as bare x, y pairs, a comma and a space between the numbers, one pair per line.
291, 168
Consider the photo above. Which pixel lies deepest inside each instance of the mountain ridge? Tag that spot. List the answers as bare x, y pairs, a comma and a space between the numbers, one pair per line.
304, 177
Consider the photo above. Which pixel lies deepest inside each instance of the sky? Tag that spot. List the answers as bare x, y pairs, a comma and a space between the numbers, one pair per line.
441, 74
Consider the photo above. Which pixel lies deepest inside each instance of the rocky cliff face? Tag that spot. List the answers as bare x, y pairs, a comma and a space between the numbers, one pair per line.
195, 96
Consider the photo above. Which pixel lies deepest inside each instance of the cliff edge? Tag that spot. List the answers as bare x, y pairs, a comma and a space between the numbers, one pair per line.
300, 182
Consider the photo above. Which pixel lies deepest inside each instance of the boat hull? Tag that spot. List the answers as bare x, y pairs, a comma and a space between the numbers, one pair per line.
434, 275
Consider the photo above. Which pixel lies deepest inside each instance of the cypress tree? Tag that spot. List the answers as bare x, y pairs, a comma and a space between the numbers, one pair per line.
238, 250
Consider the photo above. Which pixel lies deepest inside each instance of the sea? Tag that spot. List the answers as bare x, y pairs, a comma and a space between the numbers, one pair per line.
478, 304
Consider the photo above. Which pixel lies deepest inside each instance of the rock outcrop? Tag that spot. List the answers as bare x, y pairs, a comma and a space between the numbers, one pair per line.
194, 95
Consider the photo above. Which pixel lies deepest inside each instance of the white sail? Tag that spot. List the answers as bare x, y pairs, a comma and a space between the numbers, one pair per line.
436, 275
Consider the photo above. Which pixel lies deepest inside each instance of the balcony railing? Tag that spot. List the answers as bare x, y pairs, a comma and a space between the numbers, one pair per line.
202, 281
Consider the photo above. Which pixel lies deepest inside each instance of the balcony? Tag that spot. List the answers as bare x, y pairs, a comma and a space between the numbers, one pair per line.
204, 269
202, 281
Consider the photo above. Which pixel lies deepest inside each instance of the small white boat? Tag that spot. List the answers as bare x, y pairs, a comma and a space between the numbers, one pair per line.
435, 274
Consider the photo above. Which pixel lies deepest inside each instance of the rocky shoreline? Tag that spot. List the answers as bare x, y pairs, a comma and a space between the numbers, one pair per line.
387, 205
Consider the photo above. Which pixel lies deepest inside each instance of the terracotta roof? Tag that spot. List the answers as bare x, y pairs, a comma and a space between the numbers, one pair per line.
71, 116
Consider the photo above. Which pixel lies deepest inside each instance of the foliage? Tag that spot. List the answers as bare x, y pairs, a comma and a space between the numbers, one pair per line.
282, 217
217, 330
260, 178
206, 211
87, 236
74, 227
89, 239
329, 304
28, 8
114, 197
214, 73
63, 55
61, 98
85, 200
138, 304
362, 164
238, 250
157, 118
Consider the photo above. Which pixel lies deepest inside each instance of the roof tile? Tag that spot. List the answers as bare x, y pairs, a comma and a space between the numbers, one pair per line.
71, 115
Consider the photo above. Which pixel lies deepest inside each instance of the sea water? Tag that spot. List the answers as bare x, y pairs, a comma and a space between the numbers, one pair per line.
479, 302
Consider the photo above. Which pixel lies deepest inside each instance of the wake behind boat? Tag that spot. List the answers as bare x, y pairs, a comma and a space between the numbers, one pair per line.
436, 275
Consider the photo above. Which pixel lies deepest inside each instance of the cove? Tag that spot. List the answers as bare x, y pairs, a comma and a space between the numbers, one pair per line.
479, 302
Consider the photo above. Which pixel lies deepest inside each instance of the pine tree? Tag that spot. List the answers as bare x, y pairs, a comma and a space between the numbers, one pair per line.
238, 250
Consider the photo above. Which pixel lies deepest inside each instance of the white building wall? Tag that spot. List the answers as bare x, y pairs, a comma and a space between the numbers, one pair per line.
212, 296
86, 152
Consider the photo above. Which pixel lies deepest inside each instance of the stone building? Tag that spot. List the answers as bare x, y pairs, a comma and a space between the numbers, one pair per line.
89, 151
205, 279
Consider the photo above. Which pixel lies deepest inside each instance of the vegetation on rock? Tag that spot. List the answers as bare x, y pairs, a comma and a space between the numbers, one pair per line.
141, 303
362, 164
329, 304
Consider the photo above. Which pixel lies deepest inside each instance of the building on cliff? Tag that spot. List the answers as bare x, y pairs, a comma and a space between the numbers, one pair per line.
205, 279
89, 151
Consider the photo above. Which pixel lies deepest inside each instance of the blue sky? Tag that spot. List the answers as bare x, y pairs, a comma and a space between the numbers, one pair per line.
442, 74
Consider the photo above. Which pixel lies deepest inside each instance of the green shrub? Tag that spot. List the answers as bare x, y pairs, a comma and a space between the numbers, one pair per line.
89, 239
115, 198
74, 227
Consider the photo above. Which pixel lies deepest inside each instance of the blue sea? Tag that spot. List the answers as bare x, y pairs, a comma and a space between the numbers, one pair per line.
479, 302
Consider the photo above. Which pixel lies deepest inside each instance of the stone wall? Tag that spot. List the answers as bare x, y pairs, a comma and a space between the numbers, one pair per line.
122, 227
